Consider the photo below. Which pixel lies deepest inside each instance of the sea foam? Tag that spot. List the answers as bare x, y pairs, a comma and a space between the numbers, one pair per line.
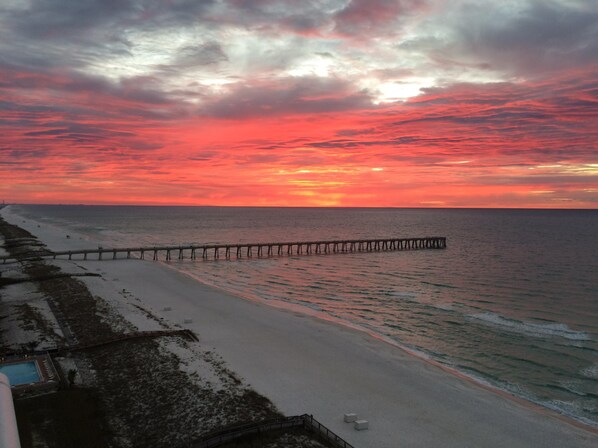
530, 328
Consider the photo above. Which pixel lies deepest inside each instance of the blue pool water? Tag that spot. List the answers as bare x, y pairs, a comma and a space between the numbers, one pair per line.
21, 373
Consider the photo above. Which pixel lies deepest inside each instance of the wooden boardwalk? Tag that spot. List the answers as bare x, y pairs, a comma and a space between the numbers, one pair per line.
227, 436
248, 250
187, 334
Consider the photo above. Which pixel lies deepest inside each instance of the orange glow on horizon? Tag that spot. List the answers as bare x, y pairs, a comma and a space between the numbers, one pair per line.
371, 104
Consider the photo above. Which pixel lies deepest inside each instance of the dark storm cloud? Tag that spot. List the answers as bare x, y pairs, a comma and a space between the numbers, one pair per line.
354, 18
101, 137
299, 16
14, 113
134, 88
73, 34
57, 19
78, 95
363, 17
199, 55
288, 96
25, 153
544, 35
78, 132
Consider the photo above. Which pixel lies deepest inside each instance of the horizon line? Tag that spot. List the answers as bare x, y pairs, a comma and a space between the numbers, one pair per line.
302, 206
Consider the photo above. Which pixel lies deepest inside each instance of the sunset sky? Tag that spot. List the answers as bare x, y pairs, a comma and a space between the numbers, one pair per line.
407, 103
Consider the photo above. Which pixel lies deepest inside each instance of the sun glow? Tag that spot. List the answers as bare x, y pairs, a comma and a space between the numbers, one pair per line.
401, 90
352, 103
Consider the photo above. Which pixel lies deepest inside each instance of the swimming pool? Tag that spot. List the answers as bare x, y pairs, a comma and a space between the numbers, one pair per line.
21, 373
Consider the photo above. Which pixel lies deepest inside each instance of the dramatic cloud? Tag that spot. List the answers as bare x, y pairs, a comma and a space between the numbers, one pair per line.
305, 95
531, 38
374, 17
318, 102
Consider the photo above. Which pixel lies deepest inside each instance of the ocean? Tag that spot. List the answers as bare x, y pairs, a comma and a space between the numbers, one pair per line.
512, 302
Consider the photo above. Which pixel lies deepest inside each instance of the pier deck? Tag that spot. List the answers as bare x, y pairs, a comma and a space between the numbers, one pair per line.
240, 250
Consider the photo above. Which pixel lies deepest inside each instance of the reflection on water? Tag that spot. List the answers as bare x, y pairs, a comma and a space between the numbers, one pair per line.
511, 301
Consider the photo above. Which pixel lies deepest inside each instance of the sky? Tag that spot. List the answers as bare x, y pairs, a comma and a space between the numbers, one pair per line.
405, 103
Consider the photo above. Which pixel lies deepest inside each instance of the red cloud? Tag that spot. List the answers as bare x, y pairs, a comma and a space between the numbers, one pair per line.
317, 143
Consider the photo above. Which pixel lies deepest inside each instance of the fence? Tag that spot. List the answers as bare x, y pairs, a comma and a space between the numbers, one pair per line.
308, 422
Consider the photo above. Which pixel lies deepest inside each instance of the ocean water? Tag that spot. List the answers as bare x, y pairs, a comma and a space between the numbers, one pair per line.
512, 302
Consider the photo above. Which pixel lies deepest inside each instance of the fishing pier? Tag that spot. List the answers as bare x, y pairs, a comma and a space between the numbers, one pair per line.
249, 250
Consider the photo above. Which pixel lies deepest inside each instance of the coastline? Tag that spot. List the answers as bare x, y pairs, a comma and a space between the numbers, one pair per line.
407, 400
476, 381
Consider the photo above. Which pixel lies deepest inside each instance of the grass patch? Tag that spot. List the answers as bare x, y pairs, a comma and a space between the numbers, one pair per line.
67, 418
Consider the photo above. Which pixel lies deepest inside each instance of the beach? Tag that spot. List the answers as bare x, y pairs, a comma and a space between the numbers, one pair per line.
306, 364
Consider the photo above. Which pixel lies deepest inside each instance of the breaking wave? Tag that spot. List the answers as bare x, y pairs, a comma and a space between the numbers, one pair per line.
530, 328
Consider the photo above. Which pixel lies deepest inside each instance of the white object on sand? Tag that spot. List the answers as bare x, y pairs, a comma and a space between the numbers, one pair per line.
361, 425
349, 418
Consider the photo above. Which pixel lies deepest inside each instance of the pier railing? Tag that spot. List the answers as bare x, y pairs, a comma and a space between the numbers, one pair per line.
240, 250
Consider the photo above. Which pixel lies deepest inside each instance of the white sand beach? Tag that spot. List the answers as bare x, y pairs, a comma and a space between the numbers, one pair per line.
309, 365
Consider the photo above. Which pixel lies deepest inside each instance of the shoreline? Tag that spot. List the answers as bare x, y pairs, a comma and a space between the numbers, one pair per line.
477, 382
369, 351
